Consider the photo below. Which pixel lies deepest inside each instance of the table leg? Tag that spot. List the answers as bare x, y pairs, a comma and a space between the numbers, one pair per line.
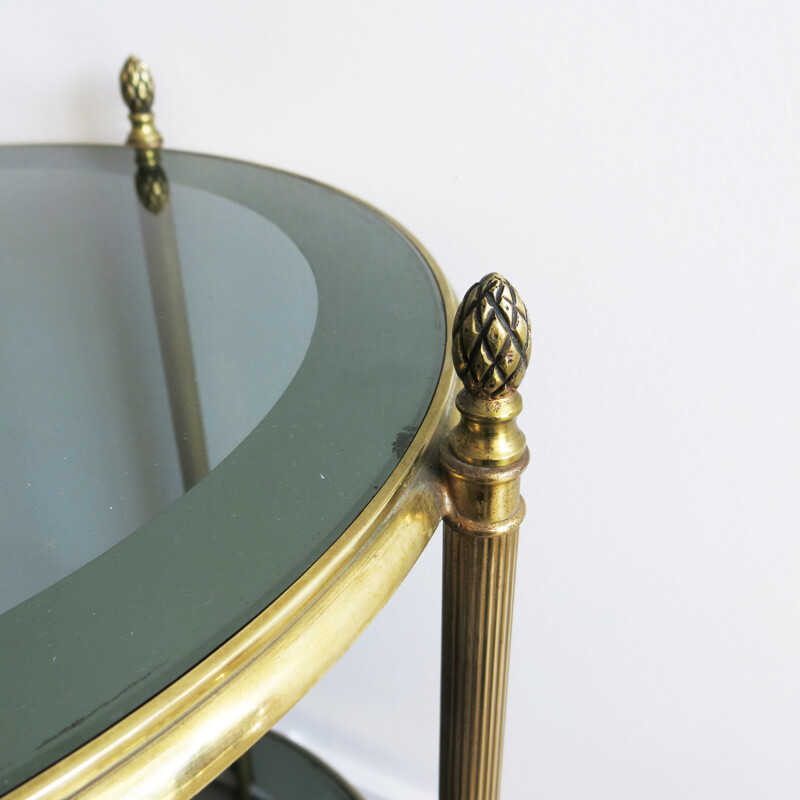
483, 460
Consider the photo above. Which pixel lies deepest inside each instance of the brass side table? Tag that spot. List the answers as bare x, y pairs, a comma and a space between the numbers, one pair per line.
229, 431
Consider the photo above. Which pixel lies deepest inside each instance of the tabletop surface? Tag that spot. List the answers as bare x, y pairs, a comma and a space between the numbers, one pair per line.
317, 336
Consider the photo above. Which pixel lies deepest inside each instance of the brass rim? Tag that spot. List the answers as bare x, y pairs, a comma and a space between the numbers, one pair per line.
183, 737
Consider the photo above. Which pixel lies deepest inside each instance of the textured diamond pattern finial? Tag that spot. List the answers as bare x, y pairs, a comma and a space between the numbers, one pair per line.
137, 86
491, 338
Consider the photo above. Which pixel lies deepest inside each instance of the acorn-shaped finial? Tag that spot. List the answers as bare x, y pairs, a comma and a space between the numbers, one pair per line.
137, 86
138, 90
491, 338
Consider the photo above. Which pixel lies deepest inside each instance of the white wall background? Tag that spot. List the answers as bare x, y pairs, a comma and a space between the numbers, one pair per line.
634, 169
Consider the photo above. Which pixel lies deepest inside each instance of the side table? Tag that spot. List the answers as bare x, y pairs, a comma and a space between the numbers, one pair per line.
229, 431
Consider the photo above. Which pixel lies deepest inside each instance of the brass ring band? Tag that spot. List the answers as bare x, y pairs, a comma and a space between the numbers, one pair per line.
484, 527
478, 473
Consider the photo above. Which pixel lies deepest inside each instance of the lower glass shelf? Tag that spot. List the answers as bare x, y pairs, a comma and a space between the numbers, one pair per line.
280, 770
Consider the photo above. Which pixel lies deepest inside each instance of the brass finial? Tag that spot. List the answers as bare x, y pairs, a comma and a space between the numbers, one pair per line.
138, 90
491, 338
491, 349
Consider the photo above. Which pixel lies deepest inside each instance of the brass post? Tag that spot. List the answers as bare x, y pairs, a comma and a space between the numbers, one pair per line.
483, 460
164, 273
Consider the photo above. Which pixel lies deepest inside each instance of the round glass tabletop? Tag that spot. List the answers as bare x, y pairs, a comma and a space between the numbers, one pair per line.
197, 398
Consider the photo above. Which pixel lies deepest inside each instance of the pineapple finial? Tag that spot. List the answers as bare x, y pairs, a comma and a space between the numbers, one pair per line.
491, 338
138, 90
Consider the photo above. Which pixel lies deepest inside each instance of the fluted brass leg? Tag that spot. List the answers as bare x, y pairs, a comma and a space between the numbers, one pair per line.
483, 460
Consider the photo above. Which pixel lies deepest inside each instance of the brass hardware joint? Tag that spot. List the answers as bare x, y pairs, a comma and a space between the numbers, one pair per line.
483, 459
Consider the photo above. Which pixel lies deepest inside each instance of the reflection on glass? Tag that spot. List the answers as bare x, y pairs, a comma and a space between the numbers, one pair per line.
127, 373
169, 305
152, 184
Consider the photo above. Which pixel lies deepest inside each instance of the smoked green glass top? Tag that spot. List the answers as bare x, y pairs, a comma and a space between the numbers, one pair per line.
201, 386
89, 443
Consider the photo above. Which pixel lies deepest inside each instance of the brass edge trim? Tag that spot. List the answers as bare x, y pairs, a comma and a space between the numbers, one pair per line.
177, 742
